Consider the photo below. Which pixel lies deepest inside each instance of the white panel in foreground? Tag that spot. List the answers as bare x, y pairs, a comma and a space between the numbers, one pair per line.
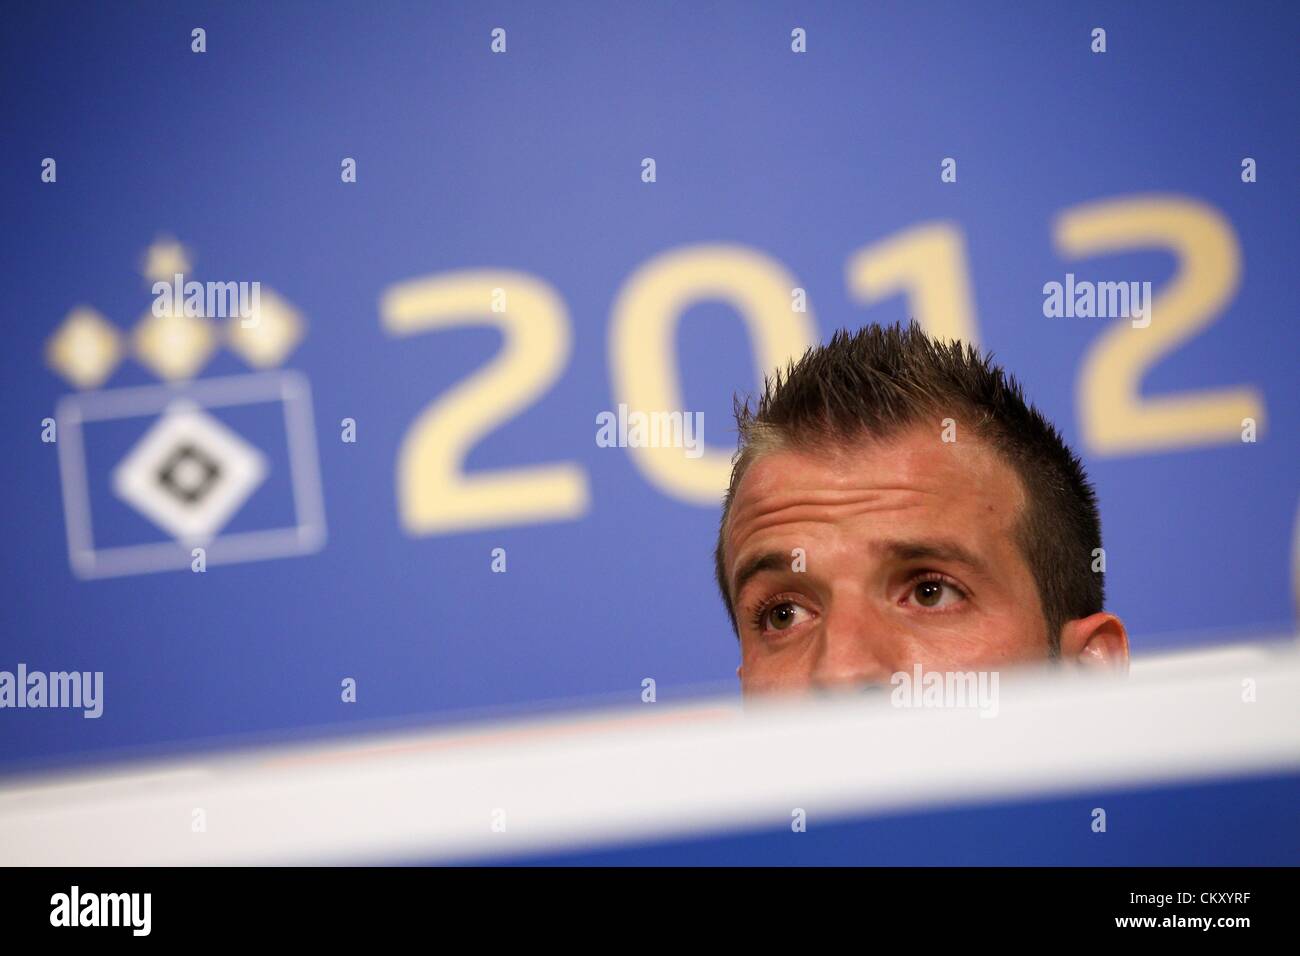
662, 772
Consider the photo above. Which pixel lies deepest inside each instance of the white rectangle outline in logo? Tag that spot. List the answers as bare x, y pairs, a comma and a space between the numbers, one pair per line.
288, 387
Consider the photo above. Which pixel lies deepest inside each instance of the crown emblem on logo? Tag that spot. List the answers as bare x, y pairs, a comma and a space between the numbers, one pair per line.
87, 348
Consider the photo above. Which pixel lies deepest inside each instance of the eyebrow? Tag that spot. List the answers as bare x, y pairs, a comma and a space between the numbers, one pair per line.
767, 561
949, 551
942, 550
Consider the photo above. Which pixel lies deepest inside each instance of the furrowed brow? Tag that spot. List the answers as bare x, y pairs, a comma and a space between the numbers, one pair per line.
949, 551
768, 561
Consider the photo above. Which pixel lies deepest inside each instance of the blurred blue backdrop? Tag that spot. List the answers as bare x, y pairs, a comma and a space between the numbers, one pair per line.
531, 161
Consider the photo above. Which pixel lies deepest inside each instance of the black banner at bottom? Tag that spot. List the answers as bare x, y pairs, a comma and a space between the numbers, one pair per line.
331, 904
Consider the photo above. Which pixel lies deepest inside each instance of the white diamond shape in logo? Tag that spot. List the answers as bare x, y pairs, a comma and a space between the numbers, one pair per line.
189, 474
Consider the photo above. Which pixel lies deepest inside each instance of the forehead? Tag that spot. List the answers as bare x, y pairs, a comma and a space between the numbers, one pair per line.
912, 483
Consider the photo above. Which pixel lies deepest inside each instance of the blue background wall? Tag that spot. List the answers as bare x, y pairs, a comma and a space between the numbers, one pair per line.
531, 161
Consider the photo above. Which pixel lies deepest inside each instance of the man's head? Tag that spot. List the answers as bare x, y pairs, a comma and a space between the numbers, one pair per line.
895, 501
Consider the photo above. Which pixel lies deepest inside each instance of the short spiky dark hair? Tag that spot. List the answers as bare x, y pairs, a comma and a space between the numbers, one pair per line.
878, 381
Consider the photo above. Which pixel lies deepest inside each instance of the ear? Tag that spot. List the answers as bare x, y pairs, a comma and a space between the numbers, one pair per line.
738, 677
1097, 641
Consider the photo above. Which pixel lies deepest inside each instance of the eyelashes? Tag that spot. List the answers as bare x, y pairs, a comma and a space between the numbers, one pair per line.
931, 600
760, 615
929, 592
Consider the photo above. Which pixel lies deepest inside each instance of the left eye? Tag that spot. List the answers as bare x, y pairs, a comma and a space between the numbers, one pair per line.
933, 594
783, 617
